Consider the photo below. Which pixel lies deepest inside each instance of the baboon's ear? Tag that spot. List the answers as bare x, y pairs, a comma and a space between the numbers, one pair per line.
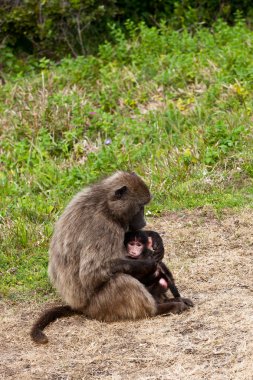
120, 192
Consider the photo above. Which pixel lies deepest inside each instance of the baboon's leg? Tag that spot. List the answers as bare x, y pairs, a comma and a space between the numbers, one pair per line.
187, 301
173, 307
171, 283
122, 298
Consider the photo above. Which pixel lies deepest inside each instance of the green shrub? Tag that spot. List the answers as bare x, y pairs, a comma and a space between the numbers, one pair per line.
58, 27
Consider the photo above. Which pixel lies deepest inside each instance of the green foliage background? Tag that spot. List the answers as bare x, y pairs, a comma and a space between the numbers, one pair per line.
173, 105
54, 28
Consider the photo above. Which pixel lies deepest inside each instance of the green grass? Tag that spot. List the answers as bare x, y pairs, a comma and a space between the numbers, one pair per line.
175, 107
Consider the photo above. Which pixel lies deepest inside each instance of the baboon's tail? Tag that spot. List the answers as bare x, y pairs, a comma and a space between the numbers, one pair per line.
48, 317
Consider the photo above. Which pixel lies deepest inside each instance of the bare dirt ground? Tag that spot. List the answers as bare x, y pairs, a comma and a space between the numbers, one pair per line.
211, 259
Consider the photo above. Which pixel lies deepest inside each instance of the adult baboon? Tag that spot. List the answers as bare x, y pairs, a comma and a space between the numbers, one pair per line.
87, 256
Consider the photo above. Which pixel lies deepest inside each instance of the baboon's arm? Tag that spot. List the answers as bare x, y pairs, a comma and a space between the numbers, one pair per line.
168, 275
135, 268
92, 277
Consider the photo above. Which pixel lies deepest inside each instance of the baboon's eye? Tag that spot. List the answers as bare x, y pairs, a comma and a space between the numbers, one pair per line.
120, 192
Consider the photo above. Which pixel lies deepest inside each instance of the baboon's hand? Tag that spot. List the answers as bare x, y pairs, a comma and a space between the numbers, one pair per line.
187, 302
182, 307
174, 306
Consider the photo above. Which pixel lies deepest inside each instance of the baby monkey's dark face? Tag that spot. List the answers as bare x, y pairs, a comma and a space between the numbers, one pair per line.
137, 243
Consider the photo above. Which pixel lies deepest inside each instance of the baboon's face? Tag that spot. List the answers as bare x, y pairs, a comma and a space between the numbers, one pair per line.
135, 248
127, 196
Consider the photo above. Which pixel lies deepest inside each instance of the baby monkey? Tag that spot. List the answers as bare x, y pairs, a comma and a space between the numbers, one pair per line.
143, 245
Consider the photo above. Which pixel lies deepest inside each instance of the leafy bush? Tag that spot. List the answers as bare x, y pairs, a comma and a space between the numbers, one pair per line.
58, 27
54, 28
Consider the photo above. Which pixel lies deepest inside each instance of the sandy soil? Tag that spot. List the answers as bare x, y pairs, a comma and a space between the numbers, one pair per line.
211, 259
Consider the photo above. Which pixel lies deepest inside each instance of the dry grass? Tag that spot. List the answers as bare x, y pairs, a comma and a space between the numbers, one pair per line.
212, 262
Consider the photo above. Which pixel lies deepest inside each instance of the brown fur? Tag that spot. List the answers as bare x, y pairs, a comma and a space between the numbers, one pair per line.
87, 263
87, 237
